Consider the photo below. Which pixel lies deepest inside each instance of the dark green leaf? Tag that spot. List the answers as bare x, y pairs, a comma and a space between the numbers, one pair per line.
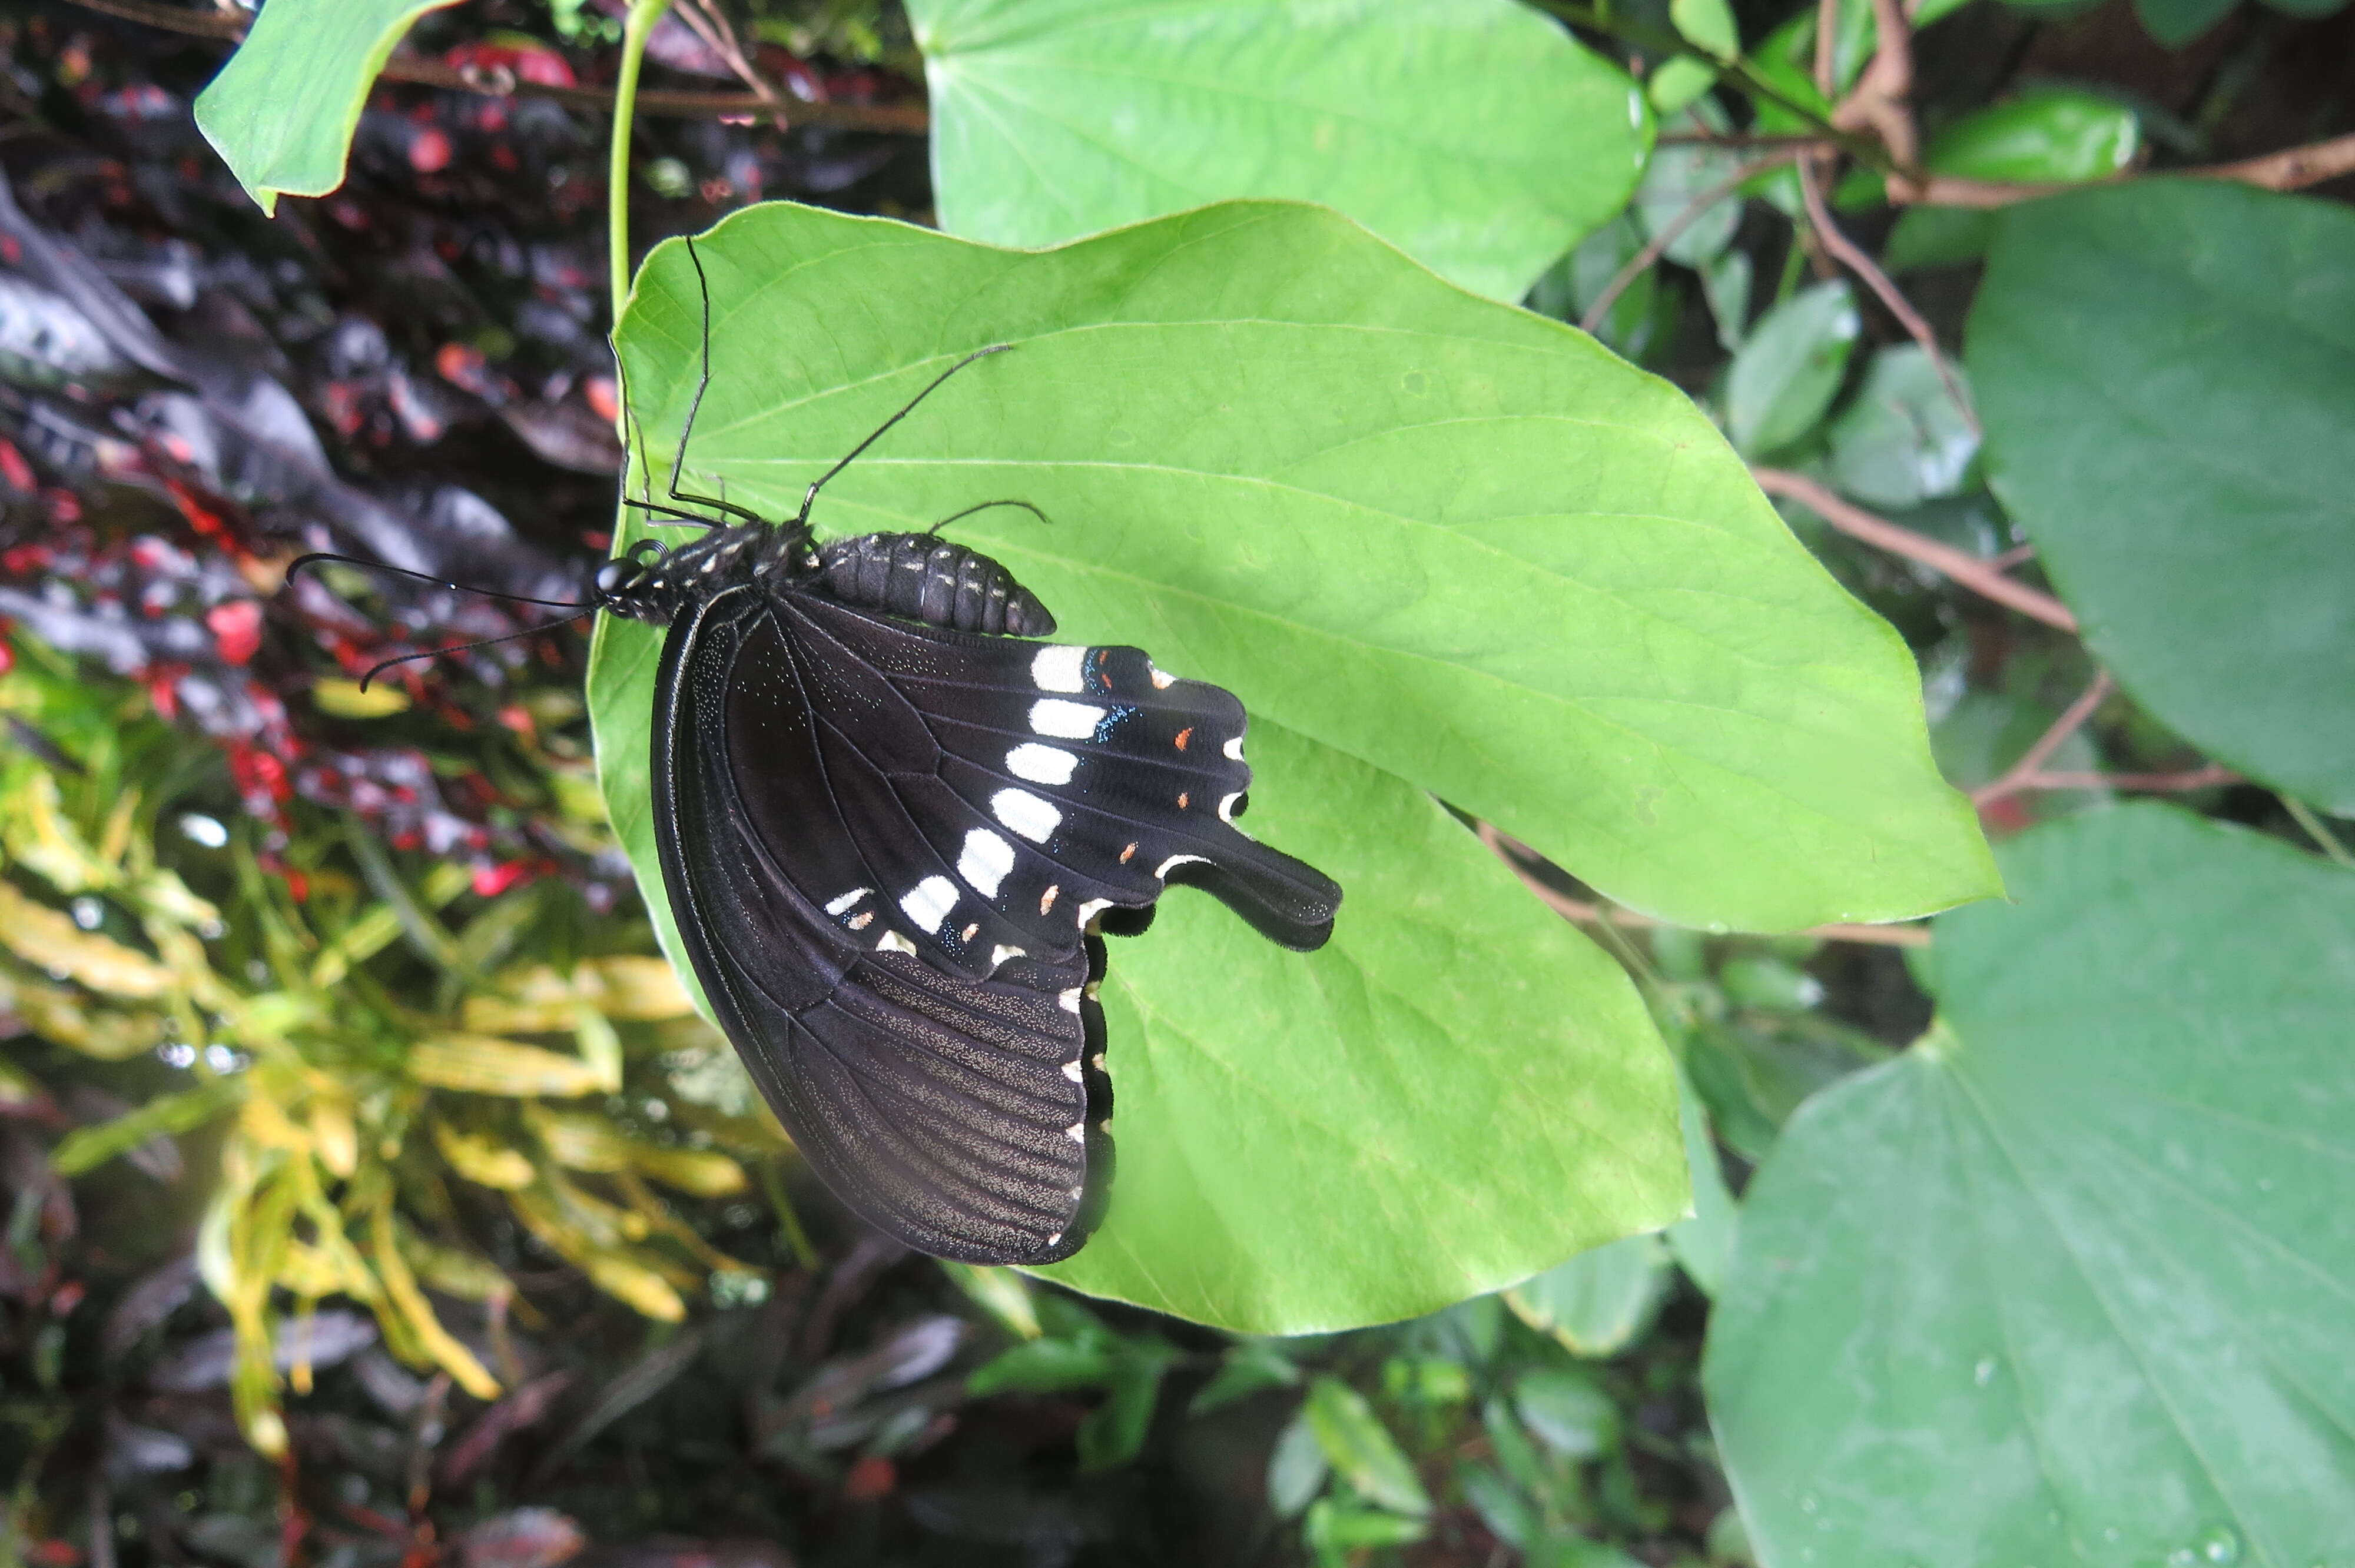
1790, 368
1600, 1300
1704, 1243
1510, 1517
1251, 1367
280, 113
1568, 1413
1928, 237
1901, 440
1114, 1432
2176, 23
1297, 1469
2056, 136
2088, 1235
2167, 371
1043, 1366
1476, 135
1361, 1450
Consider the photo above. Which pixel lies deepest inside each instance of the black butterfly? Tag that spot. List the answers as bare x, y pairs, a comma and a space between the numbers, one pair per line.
891, 826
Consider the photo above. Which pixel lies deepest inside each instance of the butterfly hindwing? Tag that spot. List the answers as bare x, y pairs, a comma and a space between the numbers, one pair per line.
962, 1114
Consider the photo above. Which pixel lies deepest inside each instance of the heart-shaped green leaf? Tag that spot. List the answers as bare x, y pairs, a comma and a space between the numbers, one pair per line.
2167, 370
1388, 515
1477, 134
1452, 539
2070, 1281
280, 113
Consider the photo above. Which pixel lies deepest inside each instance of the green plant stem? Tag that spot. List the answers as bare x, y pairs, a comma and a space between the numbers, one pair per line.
644, 15
2316, 829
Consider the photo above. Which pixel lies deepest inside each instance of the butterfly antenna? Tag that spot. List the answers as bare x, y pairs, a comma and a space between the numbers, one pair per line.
810, 497
299, 562
678, 461
935, 530
376, 670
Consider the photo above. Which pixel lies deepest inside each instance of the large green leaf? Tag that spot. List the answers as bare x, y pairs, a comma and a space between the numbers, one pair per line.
1475, 133
1450, 538
2166, 371
280, 113
2070, 1281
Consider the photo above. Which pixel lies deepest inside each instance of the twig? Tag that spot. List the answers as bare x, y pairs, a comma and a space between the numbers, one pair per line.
2015, 777
2019, 554
1743, 139
1655, 247
2204, 778
1883, 95
2291, 169
1968, 570
708, 22
890, 118
2317, 830
1852, 255
1828, 14
1569, 908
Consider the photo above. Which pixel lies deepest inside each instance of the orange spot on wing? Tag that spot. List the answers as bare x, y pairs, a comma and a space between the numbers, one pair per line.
1184, 735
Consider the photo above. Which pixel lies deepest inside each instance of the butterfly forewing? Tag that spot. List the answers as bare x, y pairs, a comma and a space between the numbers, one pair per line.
1036, 785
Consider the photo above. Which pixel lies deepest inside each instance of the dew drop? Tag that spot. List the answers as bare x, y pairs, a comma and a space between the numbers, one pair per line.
2111, 1533
1984, 1373
1807, 1503
2265, 1183
2221, 1546
2181, 1557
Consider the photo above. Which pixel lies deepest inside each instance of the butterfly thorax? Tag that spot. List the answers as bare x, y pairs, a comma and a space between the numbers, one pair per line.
916, 576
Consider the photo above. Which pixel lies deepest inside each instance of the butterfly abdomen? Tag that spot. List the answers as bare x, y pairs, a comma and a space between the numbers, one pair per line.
933, 582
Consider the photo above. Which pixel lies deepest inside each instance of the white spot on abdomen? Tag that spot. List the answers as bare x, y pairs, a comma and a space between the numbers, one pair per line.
1057, 668
928, 902
1069, 721
985, 860
1041, 764
1072, 1071
1026, 813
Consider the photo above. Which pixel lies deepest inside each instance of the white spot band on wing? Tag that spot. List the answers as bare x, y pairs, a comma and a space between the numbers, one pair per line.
1041, 764
1090, 909
1234, 749
984, 861
1068, 721
1026, 814
1175, 861
892, 942
928, 902
842, 904
1057, 668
